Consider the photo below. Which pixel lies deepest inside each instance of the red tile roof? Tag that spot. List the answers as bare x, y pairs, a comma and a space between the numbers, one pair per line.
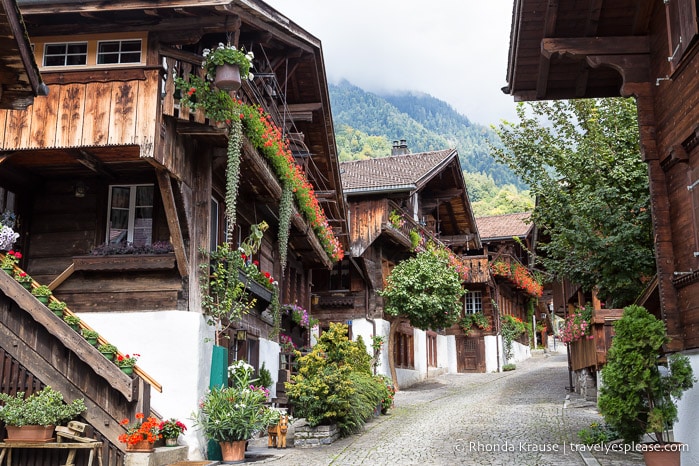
400, 172
504, 226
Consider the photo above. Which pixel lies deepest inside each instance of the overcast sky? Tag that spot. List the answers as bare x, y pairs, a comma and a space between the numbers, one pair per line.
454, 50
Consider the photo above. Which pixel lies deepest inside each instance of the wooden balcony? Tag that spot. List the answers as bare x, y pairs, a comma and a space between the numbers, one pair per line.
592, 352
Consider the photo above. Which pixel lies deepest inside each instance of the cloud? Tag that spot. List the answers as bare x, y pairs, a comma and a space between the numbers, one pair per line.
454, 50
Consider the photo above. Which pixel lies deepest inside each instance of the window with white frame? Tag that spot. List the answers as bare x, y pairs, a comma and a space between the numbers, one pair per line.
473, 302
65, 54
118, 51
130, 217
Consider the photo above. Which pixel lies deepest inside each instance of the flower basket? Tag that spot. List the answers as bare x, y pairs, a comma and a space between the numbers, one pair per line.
228, 77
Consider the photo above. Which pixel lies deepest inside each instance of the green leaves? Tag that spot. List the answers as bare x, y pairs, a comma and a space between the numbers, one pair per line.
425, 289
582, 161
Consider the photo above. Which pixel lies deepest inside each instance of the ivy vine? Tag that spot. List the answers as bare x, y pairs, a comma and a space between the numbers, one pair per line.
286, 205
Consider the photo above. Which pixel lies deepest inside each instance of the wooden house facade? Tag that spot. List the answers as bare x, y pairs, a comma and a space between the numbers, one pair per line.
395, 204
646, 50
508, 241
109, 158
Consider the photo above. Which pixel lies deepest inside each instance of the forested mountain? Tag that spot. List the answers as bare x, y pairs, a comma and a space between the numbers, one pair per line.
367, 123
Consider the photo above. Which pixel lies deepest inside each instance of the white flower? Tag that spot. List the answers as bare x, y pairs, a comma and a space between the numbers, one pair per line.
250, 76
250, 55
206, 52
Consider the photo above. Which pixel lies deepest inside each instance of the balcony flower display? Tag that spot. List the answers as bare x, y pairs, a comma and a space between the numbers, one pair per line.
227, 55
577, 325
519, 276
257, 126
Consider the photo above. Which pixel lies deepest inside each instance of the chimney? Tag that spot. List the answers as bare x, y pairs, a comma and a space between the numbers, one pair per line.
400, 148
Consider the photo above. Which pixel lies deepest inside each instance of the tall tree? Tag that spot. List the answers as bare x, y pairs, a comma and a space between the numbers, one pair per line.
581, 159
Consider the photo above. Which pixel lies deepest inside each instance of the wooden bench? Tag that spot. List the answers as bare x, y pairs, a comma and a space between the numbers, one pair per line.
76, 441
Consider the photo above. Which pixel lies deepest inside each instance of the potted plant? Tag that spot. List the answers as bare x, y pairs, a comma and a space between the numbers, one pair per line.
171, 429
91, 336
639, 390
9, 260
127, 362
57, 307
231, 415
73, 321
24, 279
108, 350
226, 65
141, 434
33, 418
42, 293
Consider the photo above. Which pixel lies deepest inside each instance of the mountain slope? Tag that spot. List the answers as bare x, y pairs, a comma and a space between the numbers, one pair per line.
363, 120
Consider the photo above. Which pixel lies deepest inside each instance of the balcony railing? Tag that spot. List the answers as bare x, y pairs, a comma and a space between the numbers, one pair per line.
406, 224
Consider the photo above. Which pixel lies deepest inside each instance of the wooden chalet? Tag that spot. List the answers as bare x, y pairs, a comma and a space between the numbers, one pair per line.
507, 242
647, 50
110, 157
389, 200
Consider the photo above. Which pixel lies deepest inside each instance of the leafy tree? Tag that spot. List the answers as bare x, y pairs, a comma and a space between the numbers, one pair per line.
424, 290
582, 161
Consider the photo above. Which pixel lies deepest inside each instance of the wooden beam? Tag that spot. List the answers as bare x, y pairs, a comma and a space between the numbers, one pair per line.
173, 221
542, 80
62, 277
93, 163
584, 46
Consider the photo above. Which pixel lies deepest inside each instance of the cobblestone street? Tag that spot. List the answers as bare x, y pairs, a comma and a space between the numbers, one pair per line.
511, 418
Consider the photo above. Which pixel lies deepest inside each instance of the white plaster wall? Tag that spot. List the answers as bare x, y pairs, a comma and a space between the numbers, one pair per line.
175, 349
269, 355
452, 363
520, 352
365, 328
420, 348
493, 352
407, 377
685, 430
443, 352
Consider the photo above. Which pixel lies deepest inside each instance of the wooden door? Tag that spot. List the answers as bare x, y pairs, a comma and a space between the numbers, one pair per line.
470, 353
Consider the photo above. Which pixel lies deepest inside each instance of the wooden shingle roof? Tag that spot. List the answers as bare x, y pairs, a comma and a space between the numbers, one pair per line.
504, 226
395, 173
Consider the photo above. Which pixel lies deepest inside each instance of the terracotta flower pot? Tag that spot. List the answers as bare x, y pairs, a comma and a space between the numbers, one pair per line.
38, 434
233, 451
667, 454
144, 446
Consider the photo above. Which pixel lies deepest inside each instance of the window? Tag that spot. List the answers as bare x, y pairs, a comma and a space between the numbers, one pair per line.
403, 353
473, 302
119, 51
681, 28
130, 214
431, 349
340, 276
66, 54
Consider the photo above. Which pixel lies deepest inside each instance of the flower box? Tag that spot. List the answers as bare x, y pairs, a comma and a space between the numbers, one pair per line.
259, 291
125, 262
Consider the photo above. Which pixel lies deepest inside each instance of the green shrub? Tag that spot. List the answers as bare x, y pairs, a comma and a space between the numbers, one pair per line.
334, 383
509, 367
597, 433
365, 397
636, 396
265, 377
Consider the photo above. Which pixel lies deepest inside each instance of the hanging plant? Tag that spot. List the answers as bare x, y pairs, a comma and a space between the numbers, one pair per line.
235, 136
285, 207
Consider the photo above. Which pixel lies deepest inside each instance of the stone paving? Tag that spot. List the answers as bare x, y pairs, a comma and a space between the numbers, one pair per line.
512, 418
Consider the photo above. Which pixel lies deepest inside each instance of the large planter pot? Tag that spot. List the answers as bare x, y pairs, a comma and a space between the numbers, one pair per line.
227, 77
38, 434
657, 454
233, 451
144, 446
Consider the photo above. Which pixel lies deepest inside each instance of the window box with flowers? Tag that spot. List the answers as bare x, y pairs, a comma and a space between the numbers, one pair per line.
518, 275
126, 257
141, 434
127, 362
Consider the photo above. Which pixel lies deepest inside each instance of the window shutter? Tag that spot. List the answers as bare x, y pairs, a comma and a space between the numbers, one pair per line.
682, 28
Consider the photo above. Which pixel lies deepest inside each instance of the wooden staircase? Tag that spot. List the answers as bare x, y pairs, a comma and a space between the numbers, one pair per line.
37, 349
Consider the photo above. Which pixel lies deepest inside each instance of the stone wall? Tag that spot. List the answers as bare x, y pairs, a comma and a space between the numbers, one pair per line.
306, 436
